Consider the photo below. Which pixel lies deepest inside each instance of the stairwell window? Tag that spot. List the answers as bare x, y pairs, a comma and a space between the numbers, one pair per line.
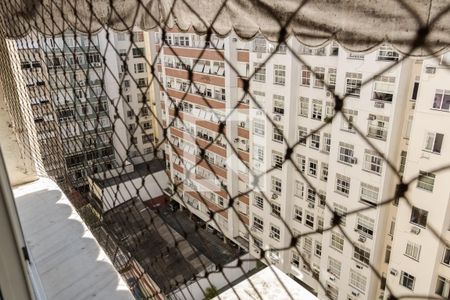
279, 74
433, 142
426, 181
277, 160
326, 142
331, 79
299, 189
302, 134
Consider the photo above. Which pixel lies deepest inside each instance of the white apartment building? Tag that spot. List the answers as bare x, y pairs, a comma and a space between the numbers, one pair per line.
336, 164
420, 260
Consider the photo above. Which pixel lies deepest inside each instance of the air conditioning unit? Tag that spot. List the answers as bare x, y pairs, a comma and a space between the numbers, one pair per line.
256, 250
277, 117
354, 160
358, 266
379, 104
430, 70
97, 64
332, 278
362, 239
355, 293
393, 272
415, 230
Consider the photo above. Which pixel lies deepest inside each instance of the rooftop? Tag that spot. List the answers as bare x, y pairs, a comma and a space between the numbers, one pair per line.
140, 170
69, 262
269, 283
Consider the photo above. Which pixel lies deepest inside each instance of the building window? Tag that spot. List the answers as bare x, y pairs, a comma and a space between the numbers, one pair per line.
258, 223
342, 184
305, 76
259, 45
318, 249
139, 68
407, 280
378, 127
257, 243
298, 214
419, 216
276, 209
365, 225
319, 77
402, 162
278, 104
312, 170
337, 241
387, 254
386, 53
413, 250
446, 258
324, 172
316, 109
341, 211
334, 267
346, 153
426, 181
303, 107
258, 153
443, 287
258, 201
260, 73
307, 245
353, 84
351, 115
357, 280
295, 261
275, 232
258, 127
138, 52
299, 189
372, 162
277, 160
301, 161
369, 194
361, 254
311, 195
433, 142
315, 140
139, 36
276, 185
319, 224
309, 220
279, 74
302, 134
441, 100
415, 91
326, 142
278, 134
383, 88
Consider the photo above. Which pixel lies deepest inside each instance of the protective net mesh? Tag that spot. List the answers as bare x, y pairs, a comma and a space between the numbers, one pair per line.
131, 123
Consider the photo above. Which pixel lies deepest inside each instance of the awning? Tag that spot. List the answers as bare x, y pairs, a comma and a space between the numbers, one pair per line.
357, 25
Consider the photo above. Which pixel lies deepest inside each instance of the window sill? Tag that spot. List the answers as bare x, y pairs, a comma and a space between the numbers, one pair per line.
372, 172
416, 260
341, 193
418, 225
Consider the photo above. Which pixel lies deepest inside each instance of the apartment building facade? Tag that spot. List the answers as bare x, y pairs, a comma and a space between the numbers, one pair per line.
333, 171
34, 72
419, 260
